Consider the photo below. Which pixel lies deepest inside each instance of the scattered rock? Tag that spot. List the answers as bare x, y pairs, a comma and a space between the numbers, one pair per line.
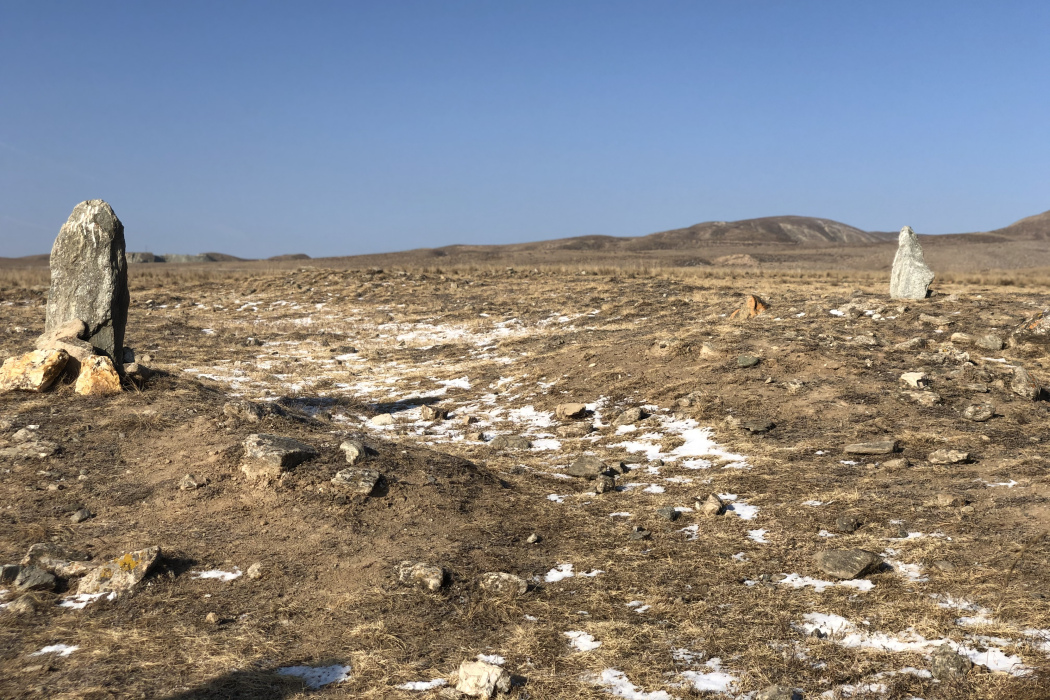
586, 466
501, 583
923, 398
979, 412
353, 449
777, 692
935, 320
753, 306
98, 377
846, 563
137, 373
212, 618
26, 605
481, 679
574, 430
847, 523
948, 457
533, 538
361, 481
881, 447
255, 571
758, 426
34, 371
1023, 385
910, 344
916, 380
899, 463
948, 665
962, 338
68, 337
910, 277
510, 442
382, 419
433, 413
191, 483
948, 500
281, 452
9, 572
943, 565
81, 515
120, 574
712, 505
668, 513
640, 533
89, 277
251, 412
417, 573
629, 417
1034, 330
990, 342
33, 578
747, 361
605, 483
57, 559
570, 410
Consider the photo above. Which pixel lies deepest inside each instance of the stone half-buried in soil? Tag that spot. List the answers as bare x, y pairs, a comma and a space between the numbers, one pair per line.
120, 574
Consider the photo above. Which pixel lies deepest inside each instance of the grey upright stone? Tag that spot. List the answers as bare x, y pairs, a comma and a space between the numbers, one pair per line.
89, 277
911, 277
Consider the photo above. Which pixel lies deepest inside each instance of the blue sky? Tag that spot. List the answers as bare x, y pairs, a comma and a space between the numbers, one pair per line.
338, 128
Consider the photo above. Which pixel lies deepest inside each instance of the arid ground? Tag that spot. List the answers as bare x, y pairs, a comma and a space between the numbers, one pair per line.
704, 606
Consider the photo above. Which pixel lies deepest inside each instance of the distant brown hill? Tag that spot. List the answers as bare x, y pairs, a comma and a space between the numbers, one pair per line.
798, 230
1032, 228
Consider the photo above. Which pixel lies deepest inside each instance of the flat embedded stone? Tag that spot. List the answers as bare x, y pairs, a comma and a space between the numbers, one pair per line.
881, 447
277, 451
846, 563
120, 574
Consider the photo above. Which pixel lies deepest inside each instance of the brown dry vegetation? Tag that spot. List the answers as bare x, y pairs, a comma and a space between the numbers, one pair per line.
382, 341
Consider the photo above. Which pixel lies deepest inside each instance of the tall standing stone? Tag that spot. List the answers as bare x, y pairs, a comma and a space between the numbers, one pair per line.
89, 277
911, 277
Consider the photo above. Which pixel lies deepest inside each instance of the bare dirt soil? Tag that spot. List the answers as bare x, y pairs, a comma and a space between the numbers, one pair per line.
705, 606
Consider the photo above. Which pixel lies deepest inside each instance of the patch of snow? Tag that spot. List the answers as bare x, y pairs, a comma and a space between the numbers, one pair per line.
218, 574
825, 533
714, 681
582, 641
546, 444
317, 676
621, 514
423, 685
653, 488
691, 532
557, 498
813, 503
561, 571
618, 685
494, 659
82, 600
740, 556
60, 649
758, 536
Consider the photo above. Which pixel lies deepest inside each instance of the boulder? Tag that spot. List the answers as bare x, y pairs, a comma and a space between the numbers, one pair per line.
33, 578
98, 377
421, 574
481, 679
846, 563
34, 371
120, 574
89, 277
979, 412
570, 410
713, 505
501, 583
1023, 385
281, 452
362, 481
910, 277
587, 467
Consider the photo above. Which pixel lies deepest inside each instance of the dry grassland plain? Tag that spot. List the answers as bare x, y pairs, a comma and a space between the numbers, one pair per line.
705, 606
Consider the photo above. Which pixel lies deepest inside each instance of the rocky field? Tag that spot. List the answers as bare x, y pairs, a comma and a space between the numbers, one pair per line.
349, 483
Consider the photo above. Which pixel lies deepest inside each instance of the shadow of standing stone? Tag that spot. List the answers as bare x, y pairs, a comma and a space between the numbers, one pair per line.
89, 277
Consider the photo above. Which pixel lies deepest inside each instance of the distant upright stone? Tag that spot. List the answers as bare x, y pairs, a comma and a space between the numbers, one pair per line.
910, 278
89, 277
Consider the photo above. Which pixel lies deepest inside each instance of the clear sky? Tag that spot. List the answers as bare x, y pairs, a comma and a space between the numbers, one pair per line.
336, 128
